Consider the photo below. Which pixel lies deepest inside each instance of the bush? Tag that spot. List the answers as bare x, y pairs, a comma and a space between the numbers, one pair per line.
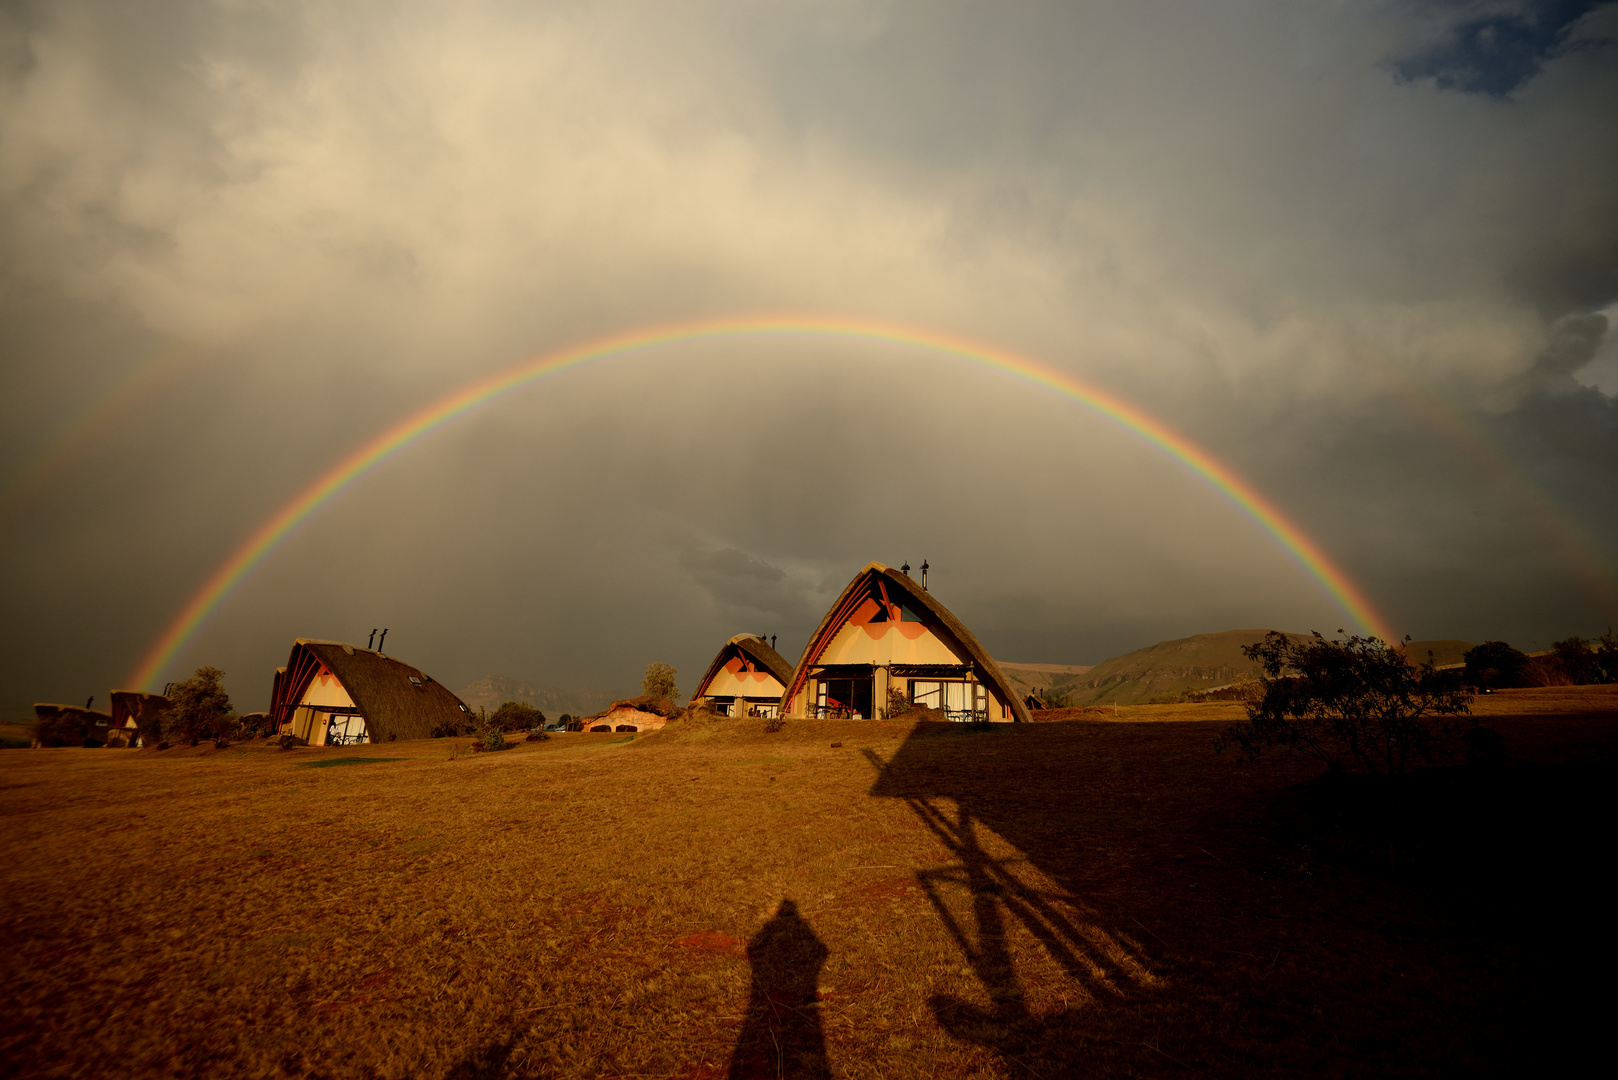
898, 702
1583, 663
61, 729
1352, 704
658, 683
489, 735
1494, 665
451, 729
517, 716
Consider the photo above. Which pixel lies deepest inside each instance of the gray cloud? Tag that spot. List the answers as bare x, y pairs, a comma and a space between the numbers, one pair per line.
238, 239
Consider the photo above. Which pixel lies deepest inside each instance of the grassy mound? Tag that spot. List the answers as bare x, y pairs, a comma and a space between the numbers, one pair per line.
924, 900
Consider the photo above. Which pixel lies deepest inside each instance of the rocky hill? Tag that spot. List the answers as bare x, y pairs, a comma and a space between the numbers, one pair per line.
491, 691
1199, 662
1167, 669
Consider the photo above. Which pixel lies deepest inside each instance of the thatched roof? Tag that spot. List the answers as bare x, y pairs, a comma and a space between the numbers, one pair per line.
749, 647
940, 620
397, 700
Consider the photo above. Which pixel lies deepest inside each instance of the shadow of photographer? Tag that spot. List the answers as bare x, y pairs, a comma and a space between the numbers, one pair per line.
781, 1036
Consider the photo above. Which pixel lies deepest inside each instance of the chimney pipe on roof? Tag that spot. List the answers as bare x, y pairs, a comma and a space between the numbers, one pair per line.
772, 641
89, 701
905, 569
924, 575
384, 638
370, 642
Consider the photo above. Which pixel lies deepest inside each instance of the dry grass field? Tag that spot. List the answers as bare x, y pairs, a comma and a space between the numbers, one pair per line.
1095, 896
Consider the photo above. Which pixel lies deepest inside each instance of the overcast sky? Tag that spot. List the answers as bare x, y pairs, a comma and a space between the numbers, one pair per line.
1365, 254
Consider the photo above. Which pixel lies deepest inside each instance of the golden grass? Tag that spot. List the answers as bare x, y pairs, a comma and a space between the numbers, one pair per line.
1046, 900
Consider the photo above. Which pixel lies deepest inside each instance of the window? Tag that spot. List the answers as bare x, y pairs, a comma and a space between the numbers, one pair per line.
962, 700
843, 699
346, 729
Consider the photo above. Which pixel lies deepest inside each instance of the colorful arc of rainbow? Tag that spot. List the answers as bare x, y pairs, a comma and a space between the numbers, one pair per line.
219, 585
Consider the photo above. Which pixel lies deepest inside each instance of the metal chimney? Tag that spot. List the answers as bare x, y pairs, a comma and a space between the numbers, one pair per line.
924, 575
370, 642
384, 638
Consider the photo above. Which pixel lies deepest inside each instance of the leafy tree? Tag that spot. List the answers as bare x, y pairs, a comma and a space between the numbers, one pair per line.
199, 708
1354, 703
659, 682
517, 716
1495, 665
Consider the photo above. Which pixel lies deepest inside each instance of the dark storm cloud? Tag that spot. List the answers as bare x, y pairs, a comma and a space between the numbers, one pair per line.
1496, 51
238, 239
748, 590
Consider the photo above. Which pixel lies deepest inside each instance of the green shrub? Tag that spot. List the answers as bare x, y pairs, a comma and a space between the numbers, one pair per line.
489, 735
517, 716
1354, 704
62, 729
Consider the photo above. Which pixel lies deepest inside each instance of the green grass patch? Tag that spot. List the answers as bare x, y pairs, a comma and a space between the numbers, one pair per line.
333, 762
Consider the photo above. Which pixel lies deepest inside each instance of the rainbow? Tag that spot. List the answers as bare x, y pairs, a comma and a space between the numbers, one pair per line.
98, 419
1303, 550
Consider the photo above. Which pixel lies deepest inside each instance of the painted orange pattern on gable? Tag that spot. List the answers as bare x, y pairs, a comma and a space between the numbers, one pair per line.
877, 614
745, 670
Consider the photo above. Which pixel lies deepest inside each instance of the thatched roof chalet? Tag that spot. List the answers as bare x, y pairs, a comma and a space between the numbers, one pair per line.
888, 632
68, 725
136, 717
746, 669
331, 685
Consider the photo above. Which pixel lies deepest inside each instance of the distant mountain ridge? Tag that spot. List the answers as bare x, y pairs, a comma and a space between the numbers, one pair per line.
492, 691
1199, 662
1038, 679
